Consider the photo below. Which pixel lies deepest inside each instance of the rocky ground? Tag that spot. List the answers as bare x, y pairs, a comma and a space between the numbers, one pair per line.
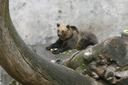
40, 50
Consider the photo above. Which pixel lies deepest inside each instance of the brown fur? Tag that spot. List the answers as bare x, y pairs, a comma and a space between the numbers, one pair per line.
71, 38
67, 32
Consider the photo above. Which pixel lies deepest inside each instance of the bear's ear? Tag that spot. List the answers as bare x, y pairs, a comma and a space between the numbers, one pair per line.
58, 24
75, 28
68, 26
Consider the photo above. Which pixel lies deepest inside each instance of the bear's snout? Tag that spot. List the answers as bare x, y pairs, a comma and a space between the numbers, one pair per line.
59, 35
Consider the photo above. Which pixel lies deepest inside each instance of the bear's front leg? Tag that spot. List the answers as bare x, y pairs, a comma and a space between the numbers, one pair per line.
57, 44
48, 48
56, 51
59, 50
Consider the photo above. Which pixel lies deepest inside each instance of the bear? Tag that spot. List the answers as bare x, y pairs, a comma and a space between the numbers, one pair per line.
72, 38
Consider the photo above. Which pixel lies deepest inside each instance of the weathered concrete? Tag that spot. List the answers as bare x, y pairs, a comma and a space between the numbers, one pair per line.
36, 20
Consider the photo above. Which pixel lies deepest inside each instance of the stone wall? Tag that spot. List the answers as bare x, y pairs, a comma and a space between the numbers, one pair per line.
35, 20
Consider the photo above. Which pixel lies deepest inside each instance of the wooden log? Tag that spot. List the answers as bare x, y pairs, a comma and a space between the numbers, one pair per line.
30, 69
27, 67
110, 56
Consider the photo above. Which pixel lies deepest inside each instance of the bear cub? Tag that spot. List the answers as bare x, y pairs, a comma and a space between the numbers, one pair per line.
72, 38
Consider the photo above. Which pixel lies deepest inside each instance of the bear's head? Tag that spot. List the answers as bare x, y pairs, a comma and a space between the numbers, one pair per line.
64, 32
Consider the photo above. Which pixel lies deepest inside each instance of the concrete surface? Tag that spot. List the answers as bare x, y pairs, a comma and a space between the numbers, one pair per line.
35, 20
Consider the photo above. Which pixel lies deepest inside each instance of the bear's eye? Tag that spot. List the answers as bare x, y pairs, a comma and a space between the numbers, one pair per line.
62, 31
57, 31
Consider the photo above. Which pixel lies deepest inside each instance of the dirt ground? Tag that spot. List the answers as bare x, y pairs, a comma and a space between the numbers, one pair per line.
40, 50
